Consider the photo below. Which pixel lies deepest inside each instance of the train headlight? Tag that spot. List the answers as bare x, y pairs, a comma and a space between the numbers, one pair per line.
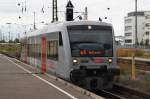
89, 27
110, 60
75, 61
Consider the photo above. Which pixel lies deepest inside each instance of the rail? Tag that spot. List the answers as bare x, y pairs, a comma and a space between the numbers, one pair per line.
123, 92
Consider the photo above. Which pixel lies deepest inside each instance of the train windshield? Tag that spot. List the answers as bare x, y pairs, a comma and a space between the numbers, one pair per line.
91, 41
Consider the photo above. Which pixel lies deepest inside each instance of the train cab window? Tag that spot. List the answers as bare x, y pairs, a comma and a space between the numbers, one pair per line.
60, 39
91, 41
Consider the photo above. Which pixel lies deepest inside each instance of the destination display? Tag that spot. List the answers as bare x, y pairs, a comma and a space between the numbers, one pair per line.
92, 52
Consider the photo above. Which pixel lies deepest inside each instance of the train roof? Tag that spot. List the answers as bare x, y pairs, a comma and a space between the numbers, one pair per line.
51, 27
67, 23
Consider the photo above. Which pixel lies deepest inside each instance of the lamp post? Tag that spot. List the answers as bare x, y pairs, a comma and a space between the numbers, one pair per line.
34, 25
136, 38
9, 31
108, 9
133, 67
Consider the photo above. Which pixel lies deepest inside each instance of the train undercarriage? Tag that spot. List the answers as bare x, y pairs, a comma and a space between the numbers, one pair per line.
94, 79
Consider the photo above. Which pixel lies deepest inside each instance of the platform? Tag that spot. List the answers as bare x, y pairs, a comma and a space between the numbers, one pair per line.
18, 81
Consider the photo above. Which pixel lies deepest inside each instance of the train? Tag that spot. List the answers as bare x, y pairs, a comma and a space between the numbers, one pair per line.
82, 52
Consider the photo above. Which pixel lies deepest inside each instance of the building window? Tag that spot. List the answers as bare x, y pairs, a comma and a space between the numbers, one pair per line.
147, 42
128, 41
147, 17
147, 25
147, 33
128, 34
128, 21
128, 28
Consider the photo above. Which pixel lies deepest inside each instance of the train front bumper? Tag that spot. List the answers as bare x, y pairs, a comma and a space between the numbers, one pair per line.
94, 78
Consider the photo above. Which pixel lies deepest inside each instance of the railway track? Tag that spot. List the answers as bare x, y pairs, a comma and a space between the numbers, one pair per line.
142, 65
122, 92
109, 95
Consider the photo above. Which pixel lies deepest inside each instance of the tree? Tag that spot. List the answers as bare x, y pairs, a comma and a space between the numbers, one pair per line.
10, 41
142, 42
16, 40
2, 41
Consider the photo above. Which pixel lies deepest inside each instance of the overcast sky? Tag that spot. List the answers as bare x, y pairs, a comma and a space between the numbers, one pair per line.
10, 11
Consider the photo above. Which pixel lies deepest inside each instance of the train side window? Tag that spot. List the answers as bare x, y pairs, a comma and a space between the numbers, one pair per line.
60, 39
52, 49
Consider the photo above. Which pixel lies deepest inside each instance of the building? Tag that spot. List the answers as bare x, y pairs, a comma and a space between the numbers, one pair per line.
130, 27
146, 38
119, 40
143, 28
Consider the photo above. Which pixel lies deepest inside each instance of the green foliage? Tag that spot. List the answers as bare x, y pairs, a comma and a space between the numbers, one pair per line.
147, 54
2, 41
10, 41
139, 53
16, 40
129, 52
142, 79
125, 52
11, 49
142, 42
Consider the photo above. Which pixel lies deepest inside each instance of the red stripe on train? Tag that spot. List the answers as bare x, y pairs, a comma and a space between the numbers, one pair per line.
43, 67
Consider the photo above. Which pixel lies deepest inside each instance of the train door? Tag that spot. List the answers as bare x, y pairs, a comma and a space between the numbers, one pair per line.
27, 51
52, 51
43, 58
61, 58
26, 55
23, 51
35, 48
63, 62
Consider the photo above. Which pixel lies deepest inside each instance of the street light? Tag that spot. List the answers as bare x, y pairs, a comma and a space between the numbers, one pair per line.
9, 30
136, 38
34, 24
133, 73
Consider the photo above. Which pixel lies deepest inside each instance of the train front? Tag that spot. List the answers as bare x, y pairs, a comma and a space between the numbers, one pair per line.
93, 57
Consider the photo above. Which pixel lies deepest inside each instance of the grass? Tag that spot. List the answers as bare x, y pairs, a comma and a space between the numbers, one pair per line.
142, 79
128, 53
10, 49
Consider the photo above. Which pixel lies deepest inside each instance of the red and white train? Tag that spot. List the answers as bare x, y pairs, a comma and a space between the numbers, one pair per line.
82, 52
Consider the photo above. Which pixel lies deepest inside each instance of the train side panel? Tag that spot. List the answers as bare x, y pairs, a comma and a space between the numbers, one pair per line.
64, 55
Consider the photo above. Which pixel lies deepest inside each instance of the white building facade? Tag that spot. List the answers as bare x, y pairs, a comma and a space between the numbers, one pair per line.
142, 27
146, 38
